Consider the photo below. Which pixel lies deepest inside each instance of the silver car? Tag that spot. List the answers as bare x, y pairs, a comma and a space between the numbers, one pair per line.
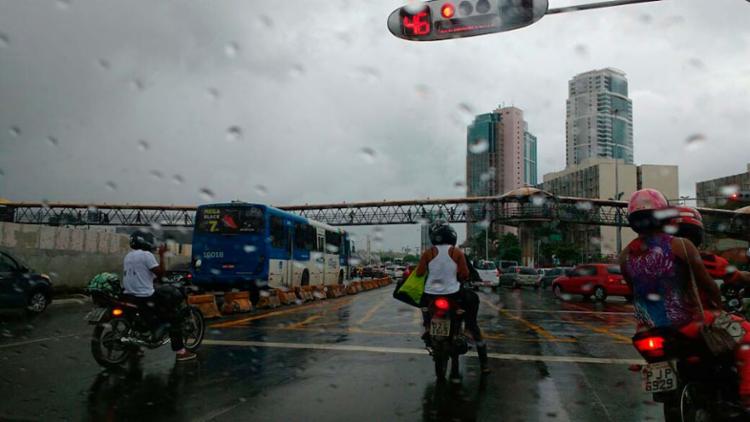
516, 277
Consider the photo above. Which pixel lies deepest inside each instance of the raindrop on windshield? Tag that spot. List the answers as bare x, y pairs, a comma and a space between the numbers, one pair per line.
53, 141
581, 51
368, 154
296, 70
566, 296
231, 50
478, 146
4, 40
538, 201
143, 145
466, 113
369, 73
213, 93
486, 176
695, 141
729, 190
178, 180
332, 248
666, 214
137, 84
459, 184
155, 226
261, 190
14, 131
111, 185
249, 248
266, 21
45, 204
584, 206
207, 194
234, 133
697, 63
671, 229
645, 18
653, 297
104, 63
484, 224
354, 261
423, 91
156, 174
63, 4
2, 173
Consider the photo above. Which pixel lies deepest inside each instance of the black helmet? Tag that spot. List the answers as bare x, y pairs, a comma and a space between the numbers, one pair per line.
142, 240
441, 233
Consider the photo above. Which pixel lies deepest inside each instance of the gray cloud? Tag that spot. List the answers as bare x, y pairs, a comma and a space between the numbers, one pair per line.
314, 83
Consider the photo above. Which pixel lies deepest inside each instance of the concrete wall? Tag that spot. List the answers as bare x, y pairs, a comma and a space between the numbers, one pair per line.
70, 256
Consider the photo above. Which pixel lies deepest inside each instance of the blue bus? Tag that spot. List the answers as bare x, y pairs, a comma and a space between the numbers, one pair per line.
243, 245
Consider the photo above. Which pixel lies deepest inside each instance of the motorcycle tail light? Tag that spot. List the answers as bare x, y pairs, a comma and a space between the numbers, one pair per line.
442, 304
117, 312
650, 347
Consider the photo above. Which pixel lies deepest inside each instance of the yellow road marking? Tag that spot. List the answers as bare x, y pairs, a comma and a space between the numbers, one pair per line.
371, 312
306, 321
601, 330
536, 328
275, 313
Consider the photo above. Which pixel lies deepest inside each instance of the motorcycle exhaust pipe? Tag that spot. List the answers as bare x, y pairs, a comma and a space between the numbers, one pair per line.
130, 341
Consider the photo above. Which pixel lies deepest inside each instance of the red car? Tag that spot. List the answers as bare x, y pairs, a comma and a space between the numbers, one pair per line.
597, 280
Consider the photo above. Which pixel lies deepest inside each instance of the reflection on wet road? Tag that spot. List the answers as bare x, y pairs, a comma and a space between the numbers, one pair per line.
341, 359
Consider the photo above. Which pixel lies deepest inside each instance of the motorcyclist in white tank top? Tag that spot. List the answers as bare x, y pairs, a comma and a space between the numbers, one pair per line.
446, 269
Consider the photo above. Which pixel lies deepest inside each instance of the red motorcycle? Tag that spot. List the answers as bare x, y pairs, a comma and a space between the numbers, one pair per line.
683, 374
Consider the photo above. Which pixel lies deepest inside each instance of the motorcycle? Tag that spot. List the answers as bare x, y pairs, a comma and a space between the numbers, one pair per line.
120, 329
683, 374
446, 340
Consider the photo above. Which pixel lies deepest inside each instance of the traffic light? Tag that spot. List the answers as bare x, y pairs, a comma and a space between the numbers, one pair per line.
446, 19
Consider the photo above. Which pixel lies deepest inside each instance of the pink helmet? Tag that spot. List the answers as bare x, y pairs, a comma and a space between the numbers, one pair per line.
647, 200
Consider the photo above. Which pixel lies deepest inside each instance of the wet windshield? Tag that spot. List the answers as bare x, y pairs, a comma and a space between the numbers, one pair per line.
443, 210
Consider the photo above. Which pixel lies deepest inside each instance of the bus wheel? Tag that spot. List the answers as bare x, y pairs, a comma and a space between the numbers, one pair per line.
305, 278
341, 276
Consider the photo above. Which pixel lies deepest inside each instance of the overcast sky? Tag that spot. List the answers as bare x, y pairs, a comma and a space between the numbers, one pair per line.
282, 102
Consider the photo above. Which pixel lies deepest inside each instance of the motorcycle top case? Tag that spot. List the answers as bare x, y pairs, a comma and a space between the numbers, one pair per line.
411, 290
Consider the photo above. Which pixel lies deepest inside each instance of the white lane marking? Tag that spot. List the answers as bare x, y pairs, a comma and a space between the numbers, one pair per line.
37, 340
550, 311
412, 351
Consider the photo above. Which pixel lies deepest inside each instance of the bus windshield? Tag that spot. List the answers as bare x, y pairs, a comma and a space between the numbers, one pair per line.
230, 220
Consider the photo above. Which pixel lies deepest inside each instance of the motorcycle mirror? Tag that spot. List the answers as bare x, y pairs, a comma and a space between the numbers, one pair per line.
447, 19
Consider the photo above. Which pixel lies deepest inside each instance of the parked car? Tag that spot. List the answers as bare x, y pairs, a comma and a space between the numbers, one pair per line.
519, 276
504, 265
398, 272
21, 287
488, 274
548, 275
593, 280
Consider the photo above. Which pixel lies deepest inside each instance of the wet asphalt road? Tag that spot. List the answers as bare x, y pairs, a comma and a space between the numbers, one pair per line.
352, 358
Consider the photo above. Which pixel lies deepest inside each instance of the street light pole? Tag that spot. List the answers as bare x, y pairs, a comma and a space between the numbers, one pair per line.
618, 194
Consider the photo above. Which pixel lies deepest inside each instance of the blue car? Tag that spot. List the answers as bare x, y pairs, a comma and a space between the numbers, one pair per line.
22, 288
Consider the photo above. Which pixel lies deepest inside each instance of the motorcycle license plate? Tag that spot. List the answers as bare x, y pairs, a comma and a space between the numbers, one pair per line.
95, 315
659, 377
440, 327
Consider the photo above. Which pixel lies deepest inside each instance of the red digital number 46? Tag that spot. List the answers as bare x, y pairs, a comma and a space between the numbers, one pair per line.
418, 24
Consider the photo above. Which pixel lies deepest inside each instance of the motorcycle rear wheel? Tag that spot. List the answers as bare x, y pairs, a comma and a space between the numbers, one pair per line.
106, 347
441, 364
194, 328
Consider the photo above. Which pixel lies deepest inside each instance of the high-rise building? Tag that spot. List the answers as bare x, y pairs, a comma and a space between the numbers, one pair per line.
716, 192
598, 178
501, 155
599, 121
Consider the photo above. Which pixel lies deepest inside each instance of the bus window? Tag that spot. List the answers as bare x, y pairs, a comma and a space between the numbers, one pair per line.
230, 220
304, 237
333, 242
278, 238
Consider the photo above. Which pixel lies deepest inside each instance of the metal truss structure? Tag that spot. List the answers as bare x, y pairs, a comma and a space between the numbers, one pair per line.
504, 210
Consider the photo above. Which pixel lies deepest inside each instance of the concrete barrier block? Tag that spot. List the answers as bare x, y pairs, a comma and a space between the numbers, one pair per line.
287, 297
206, 304
62, 238
76, 240
351, 289
9, 235
319, 292
268, 299
305, 293
92, 241
236, 302
47, 238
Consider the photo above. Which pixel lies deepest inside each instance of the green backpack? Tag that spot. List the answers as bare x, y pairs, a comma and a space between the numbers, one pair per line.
108, 283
